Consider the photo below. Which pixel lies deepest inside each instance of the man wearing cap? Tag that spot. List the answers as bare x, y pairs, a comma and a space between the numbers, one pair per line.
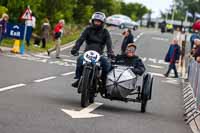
128, 38
131, 59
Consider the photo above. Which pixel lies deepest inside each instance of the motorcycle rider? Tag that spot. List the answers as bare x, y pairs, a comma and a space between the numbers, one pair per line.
96, 37
131, 59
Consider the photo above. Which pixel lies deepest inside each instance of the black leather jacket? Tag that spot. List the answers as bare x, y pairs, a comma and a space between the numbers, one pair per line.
135, 62
95, 40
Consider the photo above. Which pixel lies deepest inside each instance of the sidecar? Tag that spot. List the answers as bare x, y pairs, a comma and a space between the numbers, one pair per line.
122, 84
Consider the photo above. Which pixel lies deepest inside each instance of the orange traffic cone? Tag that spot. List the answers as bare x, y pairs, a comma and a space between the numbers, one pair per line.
16, 46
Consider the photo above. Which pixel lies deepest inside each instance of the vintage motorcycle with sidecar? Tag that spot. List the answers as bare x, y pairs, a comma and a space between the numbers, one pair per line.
121, 84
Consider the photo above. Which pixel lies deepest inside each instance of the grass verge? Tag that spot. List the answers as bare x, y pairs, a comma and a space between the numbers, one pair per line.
8, 42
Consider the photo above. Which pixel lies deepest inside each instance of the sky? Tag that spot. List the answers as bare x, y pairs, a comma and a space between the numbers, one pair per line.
154, 5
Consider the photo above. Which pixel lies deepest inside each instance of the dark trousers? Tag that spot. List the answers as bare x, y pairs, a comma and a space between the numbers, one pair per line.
43, 42
106, 67
28, 34
172, 66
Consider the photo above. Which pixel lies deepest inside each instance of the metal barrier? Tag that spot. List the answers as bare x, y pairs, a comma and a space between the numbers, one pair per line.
191, 93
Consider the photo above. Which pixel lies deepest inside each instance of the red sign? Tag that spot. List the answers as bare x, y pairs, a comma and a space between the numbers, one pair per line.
26, 15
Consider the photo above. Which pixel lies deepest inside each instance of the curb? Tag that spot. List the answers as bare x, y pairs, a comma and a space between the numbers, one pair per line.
63, 47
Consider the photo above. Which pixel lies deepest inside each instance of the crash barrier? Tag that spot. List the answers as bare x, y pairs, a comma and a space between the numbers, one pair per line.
191, 93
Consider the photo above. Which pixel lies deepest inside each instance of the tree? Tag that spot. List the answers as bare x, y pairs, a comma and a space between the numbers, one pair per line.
109, 7
83, 11
187, 5
3, 10
73, 11
134, 10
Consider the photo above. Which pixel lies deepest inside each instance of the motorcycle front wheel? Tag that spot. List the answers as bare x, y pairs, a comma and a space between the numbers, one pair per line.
85, 86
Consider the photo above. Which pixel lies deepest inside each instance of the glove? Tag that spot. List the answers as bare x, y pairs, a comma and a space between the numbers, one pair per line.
74, 51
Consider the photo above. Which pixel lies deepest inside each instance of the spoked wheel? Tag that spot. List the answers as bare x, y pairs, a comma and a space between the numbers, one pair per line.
85, 86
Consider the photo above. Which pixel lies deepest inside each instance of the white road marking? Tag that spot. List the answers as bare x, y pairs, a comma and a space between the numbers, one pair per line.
44, 79
155, 66
171, 81
152, 60
162, 62
84, 113
62, 56
138, 37
66, 74
143, 59
160, 39
157, 74
42, 56
68, 60
11, 87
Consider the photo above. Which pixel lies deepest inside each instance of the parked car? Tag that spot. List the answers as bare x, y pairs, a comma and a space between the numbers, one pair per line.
122, 22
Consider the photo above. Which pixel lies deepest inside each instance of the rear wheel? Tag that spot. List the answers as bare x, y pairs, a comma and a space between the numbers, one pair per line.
85, 86
143, 104
146, 91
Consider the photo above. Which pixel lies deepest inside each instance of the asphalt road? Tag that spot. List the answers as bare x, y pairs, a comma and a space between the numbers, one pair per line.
34, 90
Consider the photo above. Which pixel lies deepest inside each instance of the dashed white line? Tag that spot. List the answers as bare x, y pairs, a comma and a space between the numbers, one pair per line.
155, 66
66, 74
11, 87
160, 39
68, 60
163, 62
138, 37
42, 56
157, 74
44, 79
153, 60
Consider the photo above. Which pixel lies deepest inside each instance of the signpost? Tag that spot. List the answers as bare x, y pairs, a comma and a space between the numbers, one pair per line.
25, 16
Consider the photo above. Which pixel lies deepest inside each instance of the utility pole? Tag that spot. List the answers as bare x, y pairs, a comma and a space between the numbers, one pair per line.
173, 10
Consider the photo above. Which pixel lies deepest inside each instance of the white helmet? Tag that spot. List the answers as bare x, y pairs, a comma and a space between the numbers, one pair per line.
99, 16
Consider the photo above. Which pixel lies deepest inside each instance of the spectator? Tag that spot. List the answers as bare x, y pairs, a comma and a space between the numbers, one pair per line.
197, 48
172, 57
128, 38
198, 59
182, 43
3, 24
45, 29
58, 32
31, 24
193, 37
178, 34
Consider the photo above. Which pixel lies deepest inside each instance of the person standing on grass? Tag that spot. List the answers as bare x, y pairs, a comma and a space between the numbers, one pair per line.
3, 27
172, 57
58, 33
45, 29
